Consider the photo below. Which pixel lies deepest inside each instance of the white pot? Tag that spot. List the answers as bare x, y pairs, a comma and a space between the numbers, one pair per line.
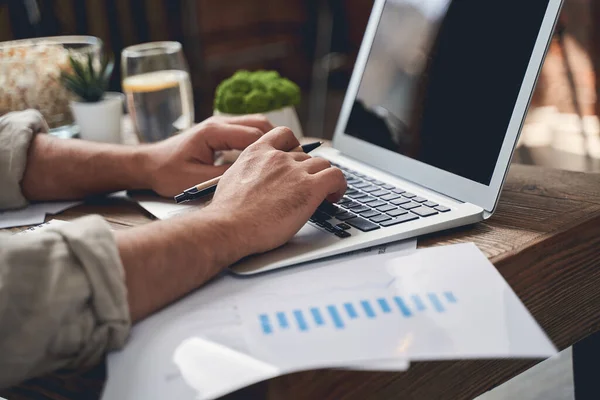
283, 117
100, 121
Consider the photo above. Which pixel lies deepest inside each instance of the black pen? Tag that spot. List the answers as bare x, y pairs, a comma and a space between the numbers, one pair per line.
209, 187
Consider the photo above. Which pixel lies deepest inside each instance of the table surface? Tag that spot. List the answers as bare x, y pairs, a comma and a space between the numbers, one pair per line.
544, 239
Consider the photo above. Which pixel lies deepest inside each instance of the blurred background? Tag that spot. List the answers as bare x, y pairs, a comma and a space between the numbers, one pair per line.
314, 43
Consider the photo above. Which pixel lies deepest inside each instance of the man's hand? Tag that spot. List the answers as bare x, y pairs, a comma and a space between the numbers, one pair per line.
188, 158
271, 193
68, 169
261, 202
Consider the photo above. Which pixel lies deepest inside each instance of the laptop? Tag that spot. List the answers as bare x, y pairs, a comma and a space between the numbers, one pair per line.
429, 123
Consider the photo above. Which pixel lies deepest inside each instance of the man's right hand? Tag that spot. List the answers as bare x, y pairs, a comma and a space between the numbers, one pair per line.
269, 193
262, 200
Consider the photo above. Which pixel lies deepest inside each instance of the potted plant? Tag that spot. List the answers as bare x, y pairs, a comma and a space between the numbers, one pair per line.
97, 113
263, 92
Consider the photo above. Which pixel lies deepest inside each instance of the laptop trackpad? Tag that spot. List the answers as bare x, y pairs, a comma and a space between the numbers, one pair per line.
309, 238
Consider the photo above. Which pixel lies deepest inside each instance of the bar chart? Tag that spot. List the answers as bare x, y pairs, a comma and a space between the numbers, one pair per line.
340, 316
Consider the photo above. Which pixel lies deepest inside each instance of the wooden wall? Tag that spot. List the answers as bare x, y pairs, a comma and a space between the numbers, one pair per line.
221, 36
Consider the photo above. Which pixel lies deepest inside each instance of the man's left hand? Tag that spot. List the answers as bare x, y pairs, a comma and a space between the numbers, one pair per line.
189, 158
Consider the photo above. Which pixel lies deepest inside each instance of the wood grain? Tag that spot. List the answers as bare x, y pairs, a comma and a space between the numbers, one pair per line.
545, 241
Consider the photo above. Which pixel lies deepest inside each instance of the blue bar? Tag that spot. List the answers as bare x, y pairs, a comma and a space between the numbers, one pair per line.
418, 302
350, 310
337, 320
385, 307
368, 309
317, 316
435, 302
282, 320
266, 325
450, 297
300, 320
402, 306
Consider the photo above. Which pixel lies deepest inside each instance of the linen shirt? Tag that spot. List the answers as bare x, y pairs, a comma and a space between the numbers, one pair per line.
63, 299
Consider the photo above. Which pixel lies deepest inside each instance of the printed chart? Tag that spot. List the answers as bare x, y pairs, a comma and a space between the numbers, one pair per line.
341, 315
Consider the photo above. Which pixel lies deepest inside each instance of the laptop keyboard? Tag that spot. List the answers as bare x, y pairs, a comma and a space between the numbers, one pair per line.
369, 204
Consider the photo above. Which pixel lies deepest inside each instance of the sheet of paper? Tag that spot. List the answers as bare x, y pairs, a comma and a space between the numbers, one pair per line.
440, 303
461, 307
34, 213
204, 325
53, 223
163, 208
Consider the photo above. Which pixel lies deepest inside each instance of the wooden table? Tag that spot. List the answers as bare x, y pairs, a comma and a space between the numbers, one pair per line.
544, 239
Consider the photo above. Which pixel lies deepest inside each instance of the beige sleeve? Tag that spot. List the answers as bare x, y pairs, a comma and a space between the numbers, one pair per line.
16, 132
63, 300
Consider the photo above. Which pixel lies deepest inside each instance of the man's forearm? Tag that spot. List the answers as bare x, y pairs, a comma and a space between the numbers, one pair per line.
60, 169
165, 260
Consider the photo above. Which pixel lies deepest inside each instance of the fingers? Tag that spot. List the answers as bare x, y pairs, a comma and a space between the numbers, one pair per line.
231, 137
299, 156
258, 121
315, 164
281, 138
332, 182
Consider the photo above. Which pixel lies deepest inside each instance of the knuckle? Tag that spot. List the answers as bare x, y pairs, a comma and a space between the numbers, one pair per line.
208, 126
285, 131
256, 132
257, 147
276, 155
325, 163
339, 175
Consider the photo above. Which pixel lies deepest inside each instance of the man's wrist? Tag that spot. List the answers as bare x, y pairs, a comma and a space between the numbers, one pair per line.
230, 243
140, 167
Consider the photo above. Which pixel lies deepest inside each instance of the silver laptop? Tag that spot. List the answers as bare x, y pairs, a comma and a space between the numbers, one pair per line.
429, 123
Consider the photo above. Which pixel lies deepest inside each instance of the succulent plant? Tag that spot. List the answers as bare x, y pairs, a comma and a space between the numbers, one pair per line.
86, 81
255, 92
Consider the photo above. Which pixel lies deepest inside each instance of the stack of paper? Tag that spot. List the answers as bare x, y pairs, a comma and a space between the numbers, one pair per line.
363, 311
33, 214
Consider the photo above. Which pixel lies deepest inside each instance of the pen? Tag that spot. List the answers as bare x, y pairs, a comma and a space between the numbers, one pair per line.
210, 186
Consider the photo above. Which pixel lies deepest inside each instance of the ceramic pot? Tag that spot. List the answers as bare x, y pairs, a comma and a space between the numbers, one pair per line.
100, 121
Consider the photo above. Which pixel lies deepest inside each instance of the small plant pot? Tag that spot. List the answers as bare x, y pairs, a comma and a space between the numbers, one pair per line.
286, 116
100, 121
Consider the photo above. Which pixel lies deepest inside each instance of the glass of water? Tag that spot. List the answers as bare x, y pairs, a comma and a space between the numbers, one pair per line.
156, 82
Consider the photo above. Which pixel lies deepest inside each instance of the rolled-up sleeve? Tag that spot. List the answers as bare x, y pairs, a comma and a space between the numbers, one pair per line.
17, 130
63, 300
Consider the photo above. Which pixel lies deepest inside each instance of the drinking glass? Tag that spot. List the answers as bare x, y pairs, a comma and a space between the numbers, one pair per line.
156, 82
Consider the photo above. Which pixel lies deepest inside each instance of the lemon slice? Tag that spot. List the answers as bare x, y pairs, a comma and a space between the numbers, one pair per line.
153, 81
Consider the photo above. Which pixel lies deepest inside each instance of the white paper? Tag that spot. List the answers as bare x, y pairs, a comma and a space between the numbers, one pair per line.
163, 208
481, 318
151, 365
391, 365
53, 223
34, 213
440, 303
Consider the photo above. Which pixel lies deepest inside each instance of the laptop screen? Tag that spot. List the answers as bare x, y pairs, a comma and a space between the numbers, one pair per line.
442, 79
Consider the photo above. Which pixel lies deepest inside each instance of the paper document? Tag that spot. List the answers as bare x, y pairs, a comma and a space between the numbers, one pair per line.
53, 223
153, 364
164, 208
34, 213
440, 303
351, 312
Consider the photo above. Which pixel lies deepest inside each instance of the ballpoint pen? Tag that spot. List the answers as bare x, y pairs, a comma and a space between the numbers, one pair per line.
210, 186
